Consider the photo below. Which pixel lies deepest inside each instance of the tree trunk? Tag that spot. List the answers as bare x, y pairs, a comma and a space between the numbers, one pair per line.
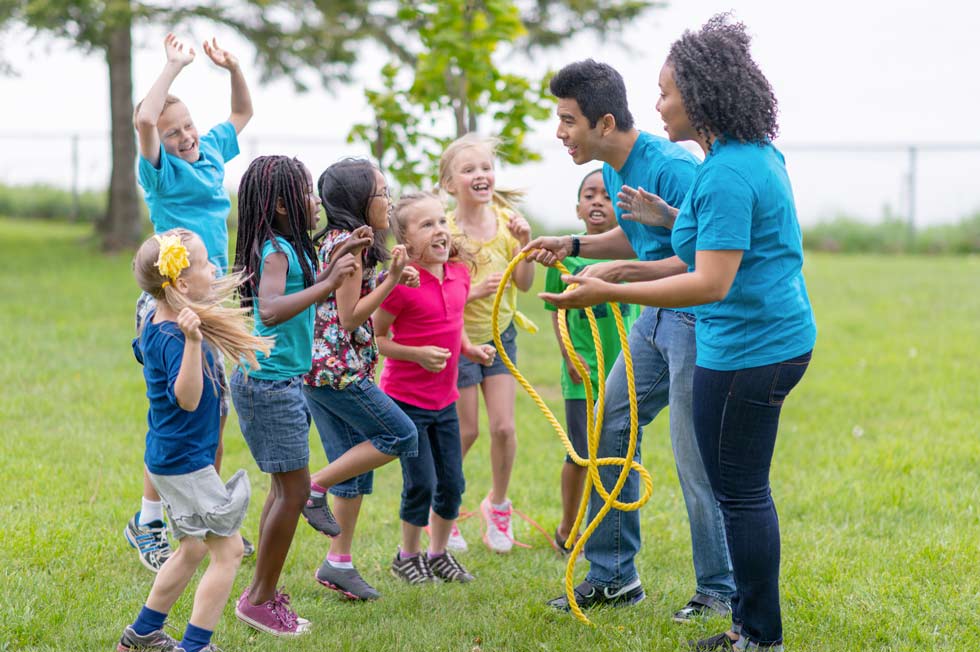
122, 226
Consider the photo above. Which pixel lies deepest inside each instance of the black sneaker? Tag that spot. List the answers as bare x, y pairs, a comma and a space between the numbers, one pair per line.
157, 641
717, 643
346, 581
589, 596
248, 549
150, 541
701, 606
317, 513
446, 568
414, 570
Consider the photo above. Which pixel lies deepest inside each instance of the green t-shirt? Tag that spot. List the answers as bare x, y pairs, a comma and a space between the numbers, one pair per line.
581, 335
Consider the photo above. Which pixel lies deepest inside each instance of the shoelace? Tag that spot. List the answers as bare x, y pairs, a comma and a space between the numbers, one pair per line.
454, 565
501, 520
280, 608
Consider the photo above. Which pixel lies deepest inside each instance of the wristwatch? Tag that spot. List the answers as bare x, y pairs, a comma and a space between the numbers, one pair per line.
576, 245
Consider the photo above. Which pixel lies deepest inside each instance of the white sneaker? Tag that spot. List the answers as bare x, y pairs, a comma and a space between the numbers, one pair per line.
498, 532
456, 541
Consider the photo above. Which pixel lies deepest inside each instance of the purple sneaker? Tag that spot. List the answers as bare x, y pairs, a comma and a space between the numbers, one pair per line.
272, 617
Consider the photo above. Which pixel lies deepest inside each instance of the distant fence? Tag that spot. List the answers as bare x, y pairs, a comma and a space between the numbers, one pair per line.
919, 183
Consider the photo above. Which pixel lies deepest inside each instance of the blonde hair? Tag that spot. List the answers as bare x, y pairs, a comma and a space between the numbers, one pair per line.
505, 198
170, 99
227, 329
459, 251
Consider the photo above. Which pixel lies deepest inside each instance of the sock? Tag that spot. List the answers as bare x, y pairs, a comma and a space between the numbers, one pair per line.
148, 621
502, 507
316, 491
407, 555
340, 561
436, 555
195, 638
152, 510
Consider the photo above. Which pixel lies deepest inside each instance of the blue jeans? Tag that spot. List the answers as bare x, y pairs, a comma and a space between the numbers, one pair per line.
736, 418
434, 478
662, 344
357, 413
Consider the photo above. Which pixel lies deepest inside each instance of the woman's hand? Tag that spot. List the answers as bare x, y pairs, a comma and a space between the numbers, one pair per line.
638, 205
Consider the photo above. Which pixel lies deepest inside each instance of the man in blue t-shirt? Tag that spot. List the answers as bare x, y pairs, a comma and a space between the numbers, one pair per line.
595, 124
182, 176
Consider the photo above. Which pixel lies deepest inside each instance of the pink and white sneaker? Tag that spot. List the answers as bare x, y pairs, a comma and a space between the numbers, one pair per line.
272, 617
456, 541
498, 532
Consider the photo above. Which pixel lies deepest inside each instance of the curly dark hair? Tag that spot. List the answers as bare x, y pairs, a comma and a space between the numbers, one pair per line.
598, 88
724, 92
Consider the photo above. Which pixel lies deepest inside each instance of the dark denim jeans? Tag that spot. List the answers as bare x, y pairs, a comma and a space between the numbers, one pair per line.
736, 415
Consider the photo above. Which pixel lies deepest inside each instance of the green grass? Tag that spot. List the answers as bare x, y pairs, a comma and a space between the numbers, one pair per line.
875, 477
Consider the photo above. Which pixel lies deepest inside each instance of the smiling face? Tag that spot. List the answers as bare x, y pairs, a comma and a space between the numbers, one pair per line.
379, 206
178, 133
671, 107
196, 281
576, 134
472, 176
426, 232
594, 206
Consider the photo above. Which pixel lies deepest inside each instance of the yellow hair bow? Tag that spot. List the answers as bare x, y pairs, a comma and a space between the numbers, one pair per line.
173, 257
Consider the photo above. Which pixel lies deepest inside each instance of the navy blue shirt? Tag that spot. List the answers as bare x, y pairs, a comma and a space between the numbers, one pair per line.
178, 441
658, 166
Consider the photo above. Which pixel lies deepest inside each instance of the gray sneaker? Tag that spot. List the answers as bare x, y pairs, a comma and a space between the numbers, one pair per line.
701, 606
346, 581
157, 641
150, 541
414, 570
446, 568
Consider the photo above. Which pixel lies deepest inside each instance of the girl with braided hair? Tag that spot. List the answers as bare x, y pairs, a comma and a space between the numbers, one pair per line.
277, 209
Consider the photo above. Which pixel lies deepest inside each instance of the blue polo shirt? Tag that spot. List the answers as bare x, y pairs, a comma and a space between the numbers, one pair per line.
177, 441
292, 354
192, 196
658, 166
742, 199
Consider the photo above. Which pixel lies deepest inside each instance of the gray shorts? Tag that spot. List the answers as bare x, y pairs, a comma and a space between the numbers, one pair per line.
144, 305
471, 373
198, 504
577, 426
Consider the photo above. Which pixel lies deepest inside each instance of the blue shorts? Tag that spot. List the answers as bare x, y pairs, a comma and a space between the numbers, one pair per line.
471, 373
274, 420
355, 414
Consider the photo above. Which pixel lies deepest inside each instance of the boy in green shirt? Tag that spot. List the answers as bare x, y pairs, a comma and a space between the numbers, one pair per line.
595, 209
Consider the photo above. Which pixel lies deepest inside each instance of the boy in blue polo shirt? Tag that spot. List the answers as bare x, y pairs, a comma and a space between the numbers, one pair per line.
182, 175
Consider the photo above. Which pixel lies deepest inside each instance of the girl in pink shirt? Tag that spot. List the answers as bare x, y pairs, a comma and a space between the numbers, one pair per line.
420, 332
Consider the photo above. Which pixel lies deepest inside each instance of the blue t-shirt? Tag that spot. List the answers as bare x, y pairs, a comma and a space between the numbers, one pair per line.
177, 441
292, 354
742, 199
658, 166
193, 196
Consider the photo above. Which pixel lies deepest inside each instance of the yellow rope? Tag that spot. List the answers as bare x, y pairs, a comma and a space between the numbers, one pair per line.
594, 427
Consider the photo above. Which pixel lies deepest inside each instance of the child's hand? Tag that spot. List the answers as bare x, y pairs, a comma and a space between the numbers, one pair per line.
573, 373
482, 354
338, 271
519, 228
487, 287
177, 52
190, 325
360, 239
399, 259
432, 358
221, 57
410, 277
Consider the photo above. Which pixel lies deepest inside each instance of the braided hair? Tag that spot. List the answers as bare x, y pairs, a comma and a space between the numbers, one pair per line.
346, 190
270, 179
725, 94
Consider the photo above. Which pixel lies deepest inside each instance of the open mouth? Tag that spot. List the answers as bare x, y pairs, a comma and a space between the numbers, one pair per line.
183, 149
481, 186
597, 216
572, 150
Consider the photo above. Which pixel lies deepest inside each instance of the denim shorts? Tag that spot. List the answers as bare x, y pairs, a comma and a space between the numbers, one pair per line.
274, 420
144, 305
357, 413
471, 373
577, 426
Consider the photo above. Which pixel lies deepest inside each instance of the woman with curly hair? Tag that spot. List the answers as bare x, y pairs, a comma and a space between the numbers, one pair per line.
738, 232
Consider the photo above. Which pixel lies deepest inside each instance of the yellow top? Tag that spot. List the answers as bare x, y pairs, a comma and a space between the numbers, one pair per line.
492, 256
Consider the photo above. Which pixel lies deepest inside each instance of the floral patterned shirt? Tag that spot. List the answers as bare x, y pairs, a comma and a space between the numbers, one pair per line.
341, 357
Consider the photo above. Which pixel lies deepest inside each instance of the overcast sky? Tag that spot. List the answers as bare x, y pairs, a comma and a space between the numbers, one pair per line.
844, 72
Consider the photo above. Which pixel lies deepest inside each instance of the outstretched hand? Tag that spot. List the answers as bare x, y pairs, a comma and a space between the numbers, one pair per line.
220, 56
590, 292
547, 250
644, 207
176, 51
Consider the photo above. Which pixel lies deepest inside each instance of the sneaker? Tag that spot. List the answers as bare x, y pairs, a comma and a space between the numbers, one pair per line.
717, 643
317, 513
272, 617
456, 541
346, 581
701, 606
248, 550
150, 541
414, 570
589, 596
446, 568
154, 641
498, 531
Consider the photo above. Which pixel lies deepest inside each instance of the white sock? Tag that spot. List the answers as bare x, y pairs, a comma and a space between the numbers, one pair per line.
152, 510
502, 507
341, 564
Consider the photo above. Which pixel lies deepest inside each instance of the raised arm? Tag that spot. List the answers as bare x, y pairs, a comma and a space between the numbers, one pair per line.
178, 56
275, 307
353, 309
241, 99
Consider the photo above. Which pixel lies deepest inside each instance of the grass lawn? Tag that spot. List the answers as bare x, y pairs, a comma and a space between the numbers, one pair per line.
875, 478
